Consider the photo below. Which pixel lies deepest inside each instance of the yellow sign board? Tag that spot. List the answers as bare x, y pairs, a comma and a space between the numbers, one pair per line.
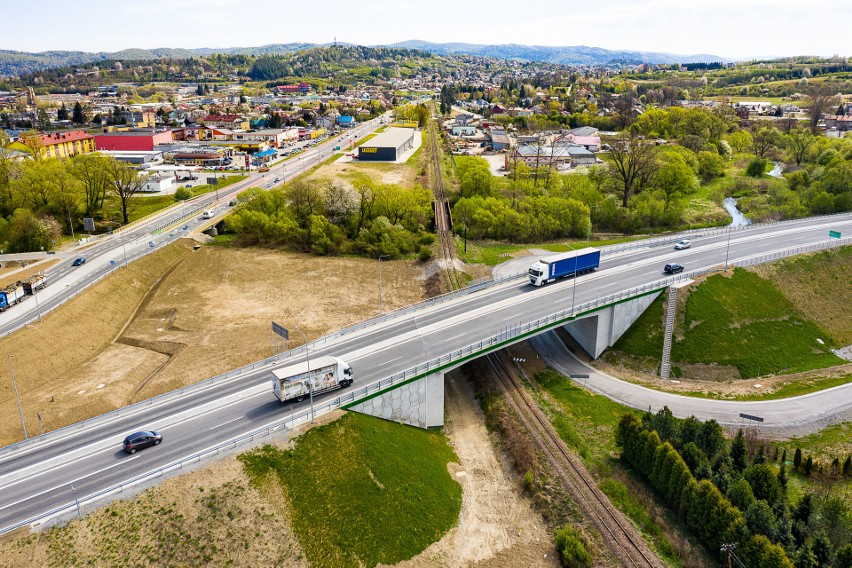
369, 150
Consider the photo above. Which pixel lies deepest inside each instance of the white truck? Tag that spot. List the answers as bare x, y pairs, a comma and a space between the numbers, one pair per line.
318, 375
208, 214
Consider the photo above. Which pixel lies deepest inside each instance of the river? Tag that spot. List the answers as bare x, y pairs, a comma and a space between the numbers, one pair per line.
737, 217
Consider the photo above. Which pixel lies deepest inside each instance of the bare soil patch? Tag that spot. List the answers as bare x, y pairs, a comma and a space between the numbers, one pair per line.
56, 358
214, 312
497, 527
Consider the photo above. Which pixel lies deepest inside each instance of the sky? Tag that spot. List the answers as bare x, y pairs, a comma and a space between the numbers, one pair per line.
735, 29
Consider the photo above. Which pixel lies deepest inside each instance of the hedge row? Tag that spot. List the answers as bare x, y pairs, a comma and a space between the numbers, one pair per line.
698, 503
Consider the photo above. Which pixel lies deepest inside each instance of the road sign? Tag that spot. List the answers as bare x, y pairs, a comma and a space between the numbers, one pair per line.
834, 234
280, 330
88, 224
750, 417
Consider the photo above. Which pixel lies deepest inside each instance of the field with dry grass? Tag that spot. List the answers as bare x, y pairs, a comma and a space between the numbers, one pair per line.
177, 317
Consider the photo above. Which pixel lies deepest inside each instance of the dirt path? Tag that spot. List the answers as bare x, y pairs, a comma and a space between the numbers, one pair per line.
497, 526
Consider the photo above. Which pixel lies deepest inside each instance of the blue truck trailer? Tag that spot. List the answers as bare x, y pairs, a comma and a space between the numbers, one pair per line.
571, 263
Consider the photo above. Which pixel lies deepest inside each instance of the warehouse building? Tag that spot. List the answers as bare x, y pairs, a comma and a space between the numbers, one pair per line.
387, 146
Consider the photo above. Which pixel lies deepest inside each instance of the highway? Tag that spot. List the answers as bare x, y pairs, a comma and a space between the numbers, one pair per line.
111, 252
36, 476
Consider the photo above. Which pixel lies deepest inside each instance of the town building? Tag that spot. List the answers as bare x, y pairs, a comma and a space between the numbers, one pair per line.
387, 146
135, 140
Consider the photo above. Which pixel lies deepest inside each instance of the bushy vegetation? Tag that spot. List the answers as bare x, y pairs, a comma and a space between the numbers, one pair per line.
331, 218
364, 491
733, 492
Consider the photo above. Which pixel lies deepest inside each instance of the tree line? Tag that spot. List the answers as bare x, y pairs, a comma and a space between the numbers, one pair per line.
42, 198
727, 494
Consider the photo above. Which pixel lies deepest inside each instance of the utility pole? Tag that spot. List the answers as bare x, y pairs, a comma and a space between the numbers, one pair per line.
728, 548
18, 398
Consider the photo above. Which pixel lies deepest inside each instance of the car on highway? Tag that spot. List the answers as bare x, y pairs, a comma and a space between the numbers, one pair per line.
140, 440
79, 261
684, 244
673, 268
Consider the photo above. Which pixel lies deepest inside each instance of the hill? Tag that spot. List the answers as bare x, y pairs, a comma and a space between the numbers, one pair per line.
17, 63
564, 55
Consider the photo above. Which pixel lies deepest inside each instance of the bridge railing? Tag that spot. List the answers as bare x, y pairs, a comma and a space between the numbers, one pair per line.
509, 334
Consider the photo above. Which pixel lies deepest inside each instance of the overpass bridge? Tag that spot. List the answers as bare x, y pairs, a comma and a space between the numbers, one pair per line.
398, 359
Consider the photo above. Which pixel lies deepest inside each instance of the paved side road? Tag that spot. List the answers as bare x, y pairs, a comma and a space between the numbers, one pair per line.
789, 417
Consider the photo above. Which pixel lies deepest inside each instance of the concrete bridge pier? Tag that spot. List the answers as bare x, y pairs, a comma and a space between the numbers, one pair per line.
596, 331
418, 403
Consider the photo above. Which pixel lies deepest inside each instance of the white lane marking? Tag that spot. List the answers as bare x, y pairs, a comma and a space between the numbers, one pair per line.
510, 318
224, 423
454, 337
68, 483
389, 361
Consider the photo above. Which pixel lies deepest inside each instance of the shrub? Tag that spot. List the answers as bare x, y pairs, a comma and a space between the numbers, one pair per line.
571, 547
756, 168
182, 194
425, 253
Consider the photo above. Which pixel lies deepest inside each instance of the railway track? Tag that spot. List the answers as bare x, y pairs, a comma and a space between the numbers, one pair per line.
443, 219
621, 537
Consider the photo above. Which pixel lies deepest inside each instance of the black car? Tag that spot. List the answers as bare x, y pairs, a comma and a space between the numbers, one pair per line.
78, 261
140, 440
673, 268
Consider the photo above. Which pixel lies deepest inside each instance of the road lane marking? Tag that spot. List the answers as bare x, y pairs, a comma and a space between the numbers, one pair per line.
67, 483
224, 423
389, 361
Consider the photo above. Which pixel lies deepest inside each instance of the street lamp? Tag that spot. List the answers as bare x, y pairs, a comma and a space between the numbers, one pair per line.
381, 256
76, 502
574, 288
310, 382
728, 248
36, 301
18, 398
124, 248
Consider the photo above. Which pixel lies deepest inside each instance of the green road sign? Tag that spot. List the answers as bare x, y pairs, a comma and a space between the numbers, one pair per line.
834, 234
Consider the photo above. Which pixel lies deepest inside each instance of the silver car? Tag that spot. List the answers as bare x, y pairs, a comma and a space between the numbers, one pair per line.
684, 244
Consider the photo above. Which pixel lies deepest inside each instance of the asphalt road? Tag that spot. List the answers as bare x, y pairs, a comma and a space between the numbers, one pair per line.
792, 415
36, 476
111, 252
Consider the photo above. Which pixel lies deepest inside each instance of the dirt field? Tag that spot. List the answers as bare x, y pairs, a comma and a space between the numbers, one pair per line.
136, 335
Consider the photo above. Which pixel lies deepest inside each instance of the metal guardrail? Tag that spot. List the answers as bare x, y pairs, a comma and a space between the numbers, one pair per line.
506, 336
705, 232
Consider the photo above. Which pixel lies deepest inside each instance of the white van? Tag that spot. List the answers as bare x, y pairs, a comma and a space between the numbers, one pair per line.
208, 214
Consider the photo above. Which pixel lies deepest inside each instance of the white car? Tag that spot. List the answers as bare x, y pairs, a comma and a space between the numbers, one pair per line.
684, 244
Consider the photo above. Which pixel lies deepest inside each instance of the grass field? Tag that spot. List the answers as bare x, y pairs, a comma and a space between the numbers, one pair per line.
743, 321
383, 495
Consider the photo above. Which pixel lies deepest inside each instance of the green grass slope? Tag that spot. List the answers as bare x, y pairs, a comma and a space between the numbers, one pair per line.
364, 490
744, 321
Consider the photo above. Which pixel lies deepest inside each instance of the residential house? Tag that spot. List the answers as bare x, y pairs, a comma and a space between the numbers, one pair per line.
345, 121
841, 123
231, 121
